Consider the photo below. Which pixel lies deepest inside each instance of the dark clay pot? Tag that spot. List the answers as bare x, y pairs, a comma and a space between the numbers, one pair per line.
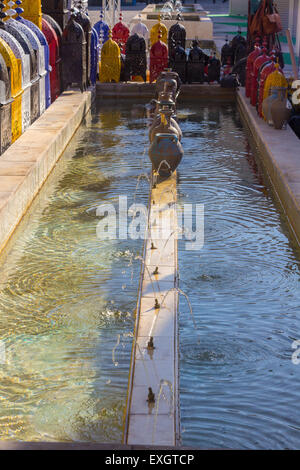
168, 82
279, 112
171, 127
266, 105
165, 153
276, 94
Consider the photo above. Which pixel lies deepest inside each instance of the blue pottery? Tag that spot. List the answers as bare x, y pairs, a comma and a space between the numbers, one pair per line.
94, 56
102, 27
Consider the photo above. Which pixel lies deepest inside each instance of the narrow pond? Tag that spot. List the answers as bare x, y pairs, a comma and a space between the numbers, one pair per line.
67, 298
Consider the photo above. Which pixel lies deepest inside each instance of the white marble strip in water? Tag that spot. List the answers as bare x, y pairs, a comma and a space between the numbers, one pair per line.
156, 423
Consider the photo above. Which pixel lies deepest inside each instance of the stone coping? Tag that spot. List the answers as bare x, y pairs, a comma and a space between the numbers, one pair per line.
135, 90
279, 152
25, 166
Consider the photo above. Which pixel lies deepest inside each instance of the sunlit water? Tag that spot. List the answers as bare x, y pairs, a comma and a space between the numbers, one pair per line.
67, 299
66, 295
239, 387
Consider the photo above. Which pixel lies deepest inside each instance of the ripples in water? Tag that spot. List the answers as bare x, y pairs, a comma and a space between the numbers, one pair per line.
67, 298
239, 387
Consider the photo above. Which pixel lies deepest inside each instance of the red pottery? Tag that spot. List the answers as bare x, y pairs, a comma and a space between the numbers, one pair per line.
158, 59
120, 34
261, 59
249, 67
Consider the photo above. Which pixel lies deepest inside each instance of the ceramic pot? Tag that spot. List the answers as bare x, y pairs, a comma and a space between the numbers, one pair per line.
266, 106
279, 112
167, 85
170, 126
165, 153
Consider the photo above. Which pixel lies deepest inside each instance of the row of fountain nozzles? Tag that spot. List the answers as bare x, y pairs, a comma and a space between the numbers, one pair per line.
165, 150
165, 135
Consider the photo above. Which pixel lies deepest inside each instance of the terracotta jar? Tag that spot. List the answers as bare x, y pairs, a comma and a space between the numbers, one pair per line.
166, 85
165, 153
274, 93
164, 124
279, 112
170, 77
267, 104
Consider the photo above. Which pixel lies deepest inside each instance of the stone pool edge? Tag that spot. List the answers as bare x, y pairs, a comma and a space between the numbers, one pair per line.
279, 152
141, 91
26, 165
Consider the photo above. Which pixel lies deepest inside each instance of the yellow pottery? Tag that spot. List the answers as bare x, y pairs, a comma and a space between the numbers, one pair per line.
110, 65
274, 79
33, 11
158, 31
15, 67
